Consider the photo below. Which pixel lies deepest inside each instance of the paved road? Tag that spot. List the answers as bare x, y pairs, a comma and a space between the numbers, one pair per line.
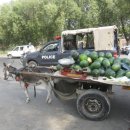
15, 114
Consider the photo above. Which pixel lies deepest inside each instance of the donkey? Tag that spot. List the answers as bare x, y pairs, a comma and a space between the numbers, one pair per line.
6, 72
31, 79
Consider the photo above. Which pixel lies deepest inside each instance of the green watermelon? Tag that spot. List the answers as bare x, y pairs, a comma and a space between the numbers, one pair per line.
127, 74
59, 67
87, 53
94, 55
111, 60
95, 65
120, 73
75, 54
100, 59
108, 55
84, 63
77, 67
95, 72
106, 63
88, 69
109, 72
102, 71
116, 67
101, 54
82, 57
117, 60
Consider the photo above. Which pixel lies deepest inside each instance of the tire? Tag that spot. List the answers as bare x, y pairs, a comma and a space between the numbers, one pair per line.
32, 64
93, 105
10, 56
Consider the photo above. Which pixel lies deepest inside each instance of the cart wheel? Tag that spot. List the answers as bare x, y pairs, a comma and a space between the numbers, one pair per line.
10, 56
93, 105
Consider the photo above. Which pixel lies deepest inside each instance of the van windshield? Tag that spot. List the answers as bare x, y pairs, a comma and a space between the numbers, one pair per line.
16, 49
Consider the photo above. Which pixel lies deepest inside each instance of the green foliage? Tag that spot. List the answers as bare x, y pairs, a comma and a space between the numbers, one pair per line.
39, 21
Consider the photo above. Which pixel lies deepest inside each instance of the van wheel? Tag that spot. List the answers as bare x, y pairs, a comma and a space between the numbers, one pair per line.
32, 64
10, 56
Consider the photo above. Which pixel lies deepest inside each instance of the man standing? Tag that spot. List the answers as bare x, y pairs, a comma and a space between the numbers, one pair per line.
31, 48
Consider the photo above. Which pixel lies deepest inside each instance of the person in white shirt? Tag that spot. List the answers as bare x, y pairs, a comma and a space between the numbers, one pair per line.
31, 48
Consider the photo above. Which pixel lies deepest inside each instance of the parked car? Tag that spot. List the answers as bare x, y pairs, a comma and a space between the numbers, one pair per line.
98, 39
18, 51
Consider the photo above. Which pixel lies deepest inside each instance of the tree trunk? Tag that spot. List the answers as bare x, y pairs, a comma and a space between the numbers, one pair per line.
123, 29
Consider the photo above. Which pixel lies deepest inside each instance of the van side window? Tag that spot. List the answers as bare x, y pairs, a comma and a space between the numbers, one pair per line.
90, 41
85, 41
70, 42
21, 48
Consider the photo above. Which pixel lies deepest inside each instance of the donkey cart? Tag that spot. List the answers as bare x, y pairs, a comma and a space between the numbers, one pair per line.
91, 93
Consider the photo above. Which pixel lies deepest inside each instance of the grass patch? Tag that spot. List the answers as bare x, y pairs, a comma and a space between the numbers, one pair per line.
3, 52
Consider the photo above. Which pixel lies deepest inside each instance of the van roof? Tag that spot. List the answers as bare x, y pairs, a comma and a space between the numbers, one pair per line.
87, 30
22, 45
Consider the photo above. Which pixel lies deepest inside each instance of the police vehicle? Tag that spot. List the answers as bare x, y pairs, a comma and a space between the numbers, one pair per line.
47, 56
99, 39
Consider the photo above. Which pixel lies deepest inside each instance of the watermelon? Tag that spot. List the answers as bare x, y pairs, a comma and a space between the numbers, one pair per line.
82, 57
88, 69
127, 74
111, 60
109, 72
117, 60
95, 72
84, 63
89, 60
95, 65
87, 53
102, 71
77, 67
116, 67
106, 63
100, 59
59, 67
75, 54
108, 55
101, 54
120, 73
94, 55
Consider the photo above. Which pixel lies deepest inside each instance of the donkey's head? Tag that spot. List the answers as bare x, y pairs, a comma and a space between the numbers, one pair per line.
9, 68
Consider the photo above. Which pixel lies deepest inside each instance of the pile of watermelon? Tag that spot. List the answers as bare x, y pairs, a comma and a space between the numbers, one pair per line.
100, 64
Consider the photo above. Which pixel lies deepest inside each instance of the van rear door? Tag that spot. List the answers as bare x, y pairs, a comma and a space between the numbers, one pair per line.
104, 38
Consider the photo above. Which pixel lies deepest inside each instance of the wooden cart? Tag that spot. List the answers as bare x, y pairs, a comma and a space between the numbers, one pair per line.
91, 93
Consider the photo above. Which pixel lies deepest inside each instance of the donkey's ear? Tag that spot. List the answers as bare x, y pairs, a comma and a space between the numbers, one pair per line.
4, 64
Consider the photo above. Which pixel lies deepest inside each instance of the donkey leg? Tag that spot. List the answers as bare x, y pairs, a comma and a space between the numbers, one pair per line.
26, 93
5, 74
49, 93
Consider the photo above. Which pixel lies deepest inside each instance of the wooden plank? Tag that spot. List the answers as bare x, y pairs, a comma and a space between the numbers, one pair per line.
57, 74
